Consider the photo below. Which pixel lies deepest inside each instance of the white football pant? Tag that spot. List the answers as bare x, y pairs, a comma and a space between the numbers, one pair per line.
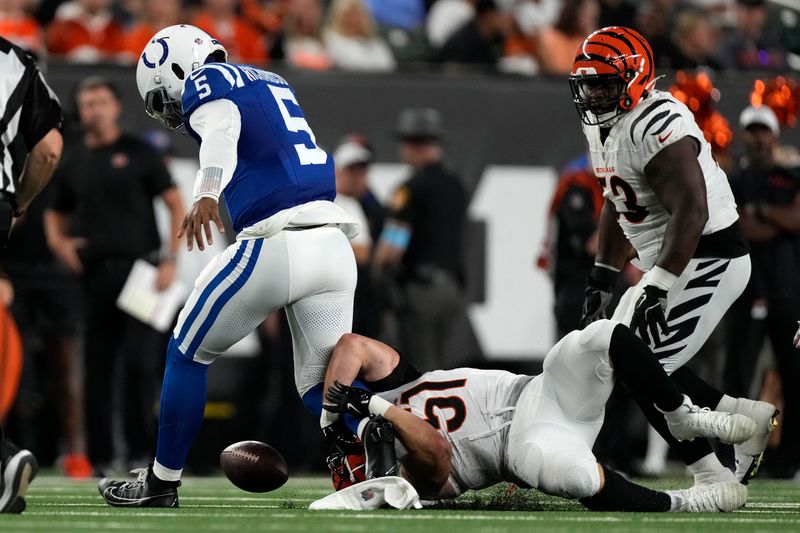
309, 272
560, 413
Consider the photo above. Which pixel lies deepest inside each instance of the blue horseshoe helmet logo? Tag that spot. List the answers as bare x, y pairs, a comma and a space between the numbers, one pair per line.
164, 53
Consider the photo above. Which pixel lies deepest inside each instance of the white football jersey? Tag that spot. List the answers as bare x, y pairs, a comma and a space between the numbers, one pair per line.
472, 409
658, 121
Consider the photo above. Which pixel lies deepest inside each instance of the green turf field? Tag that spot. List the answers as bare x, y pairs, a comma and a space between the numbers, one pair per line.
212, 504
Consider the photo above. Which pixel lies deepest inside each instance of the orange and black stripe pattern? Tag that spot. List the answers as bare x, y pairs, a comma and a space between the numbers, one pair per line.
621, 51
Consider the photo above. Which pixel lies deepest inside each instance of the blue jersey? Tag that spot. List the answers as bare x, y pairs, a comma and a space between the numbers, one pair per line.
279, 164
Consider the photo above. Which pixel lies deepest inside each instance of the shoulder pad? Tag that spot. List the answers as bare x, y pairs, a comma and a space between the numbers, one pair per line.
207, 83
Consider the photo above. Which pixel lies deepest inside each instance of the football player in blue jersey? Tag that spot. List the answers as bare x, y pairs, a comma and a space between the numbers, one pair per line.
258, 155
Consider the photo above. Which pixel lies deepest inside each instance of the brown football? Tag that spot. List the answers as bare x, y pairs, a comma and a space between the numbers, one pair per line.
254, 466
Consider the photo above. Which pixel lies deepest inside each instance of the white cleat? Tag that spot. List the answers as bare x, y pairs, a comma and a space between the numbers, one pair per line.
690, 421
717, 497
750, 452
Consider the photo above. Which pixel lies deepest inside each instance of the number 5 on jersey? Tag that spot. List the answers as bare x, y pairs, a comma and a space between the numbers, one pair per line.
308, 156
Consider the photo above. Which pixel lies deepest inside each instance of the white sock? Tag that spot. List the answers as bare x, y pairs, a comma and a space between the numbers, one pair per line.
727, 404
710, 470
166, 474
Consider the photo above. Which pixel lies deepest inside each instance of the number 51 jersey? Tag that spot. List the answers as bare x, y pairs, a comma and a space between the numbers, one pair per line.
619, 163
279, 164
472, 409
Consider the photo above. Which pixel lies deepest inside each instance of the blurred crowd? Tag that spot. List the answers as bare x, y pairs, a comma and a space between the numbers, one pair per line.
520, 36
751, 353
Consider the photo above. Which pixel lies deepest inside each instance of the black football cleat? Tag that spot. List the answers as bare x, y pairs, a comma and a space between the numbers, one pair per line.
378, 440
146, 491
17, 470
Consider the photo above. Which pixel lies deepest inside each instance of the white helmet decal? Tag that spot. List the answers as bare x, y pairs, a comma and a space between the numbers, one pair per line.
164, 54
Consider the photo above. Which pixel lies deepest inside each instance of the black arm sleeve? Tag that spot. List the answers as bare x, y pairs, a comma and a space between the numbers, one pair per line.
403, 373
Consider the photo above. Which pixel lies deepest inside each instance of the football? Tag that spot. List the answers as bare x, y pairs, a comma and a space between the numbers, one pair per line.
254, 466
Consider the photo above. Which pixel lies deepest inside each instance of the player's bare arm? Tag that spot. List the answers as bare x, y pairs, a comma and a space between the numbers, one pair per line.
427, 465
677, 179
675, 176
39, 168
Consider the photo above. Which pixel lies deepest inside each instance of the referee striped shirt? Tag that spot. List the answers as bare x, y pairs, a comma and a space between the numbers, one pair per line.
29, 109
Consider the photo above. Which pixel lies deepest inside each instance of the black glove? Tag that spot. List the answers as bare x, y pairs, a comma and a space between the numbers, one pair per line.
342, 439
343, 399
598, 294
650, 313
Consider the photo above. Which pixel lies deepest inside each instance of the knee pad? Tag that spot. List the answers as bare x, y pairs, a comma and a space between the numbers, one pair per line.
580, 480
570, 477
528, 464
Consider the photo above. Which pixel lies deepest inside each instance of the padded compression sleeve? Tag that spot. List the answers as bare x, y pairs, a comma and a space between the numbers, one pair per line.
219, 125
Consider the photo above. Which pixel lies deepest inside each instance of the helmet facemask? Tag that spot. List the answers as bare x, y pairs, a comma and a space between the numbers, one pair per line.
168, 111
598, 98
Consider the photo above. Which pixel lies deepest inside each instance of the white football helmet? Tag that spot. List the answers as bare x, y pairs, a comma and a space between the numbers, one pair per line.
170, 56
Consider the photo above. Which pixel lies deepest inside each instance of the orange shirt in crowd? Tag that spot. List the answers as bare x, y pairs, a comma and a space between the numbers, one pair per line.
557, 51
137, 37
67, 36
24, 32
243, 43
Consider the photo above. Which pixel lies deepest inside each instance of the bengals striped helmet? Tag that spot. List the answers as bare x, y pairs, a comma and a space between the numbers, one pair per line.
612, 72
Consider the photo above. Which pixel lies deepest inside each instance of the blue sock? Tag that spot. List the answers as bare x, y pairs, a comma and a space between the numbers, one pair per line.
183, 403
312, 400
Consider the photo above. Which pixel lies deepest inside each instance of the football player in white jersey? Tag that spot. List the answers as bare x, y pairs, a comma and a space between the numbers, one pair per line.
468, 429
666, 196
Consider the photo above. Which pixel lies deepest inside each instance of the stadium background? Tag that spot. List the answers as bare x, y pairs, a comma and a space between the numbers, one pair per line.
508, 136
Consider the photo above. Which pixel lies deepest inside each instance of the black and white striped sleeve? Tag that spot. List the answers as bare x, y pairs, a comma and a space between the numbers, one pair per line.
41, 110
662, 123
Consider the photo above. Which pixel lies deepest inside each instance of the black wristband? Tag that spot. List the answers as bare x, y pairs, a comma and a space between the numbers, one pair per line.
603, 278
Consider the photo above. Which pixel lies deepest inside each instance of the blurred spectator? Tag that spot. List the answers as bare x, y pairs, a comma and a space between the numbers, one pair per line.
530, 17
557, 45
405, 14
750, 47
447, 16
301, 45
85, 31
352, 41
480, 40
265, 15
768, 196
219, 19
699, 94
402, 25
616, 13
101, 222
655, 20
353, 157
420, 248
572, 240
157, 14
782, 95
19, 27
694, 42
